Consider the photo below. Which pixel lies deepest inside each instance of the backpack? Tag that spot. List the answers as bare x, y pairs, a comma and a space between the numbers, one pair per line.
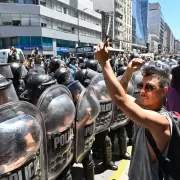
170, 165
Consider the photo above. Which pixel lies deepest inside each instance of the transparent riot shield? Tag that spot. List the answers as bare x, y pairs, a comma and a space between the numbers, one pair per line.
75, 88
137, 78
5, 70
119, 119
21, 142
103, 120
58, 112
7, 91
87, 109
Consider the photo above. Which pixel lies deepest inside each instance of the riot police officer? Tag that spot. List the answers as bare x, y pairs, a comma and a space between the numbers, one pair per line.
19, 72
63, 75
84, 76
81, 62
35, 85
118, 126
94, 65
54, 64
85, 101
21, 142
121, 69
58, 112
102, 142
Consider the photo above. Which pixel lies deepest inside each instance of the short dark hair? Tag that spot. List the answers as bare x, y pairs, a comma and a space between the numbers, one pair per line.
161, 74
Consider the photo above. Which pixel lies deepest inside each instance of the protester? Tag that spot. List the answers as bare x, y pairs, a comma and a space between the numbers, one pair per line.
145, 112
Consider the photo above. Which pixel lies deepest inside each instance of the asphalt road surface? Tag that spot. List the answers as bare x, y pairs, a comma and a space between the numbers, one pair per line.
100, 174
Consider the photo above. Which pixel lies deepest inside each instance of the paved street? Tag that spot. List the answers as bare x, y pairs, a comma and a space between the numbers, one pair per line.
120, 174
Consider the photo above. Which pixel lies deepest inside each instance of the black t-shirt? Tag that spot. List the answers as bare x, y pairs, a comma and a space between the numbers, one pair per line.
12, 57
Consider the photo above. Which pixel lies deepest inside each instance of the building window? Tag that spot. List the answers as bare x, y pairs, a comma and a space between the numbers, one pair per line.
64, 43
15, 41
36, 41
43, 25
16, 20
29, 2
6, 19
25, 41
25, 20
43, 3
59, 7
54, 24
47, 41
65, 10
46, 22
35, 20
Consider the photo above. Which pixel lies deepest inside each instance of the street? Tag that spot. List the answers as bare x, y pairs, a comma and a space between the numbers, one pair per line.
100, 174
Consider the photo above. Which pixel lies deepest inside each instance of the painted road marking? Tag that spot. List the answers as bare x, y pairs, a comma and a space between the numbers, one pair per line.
121, 168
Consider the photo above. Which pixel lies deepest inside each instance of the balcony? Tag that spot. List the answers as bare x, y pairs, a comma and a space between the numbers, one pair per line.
117, 37
119, 28
121, 2
118, 10
119, 20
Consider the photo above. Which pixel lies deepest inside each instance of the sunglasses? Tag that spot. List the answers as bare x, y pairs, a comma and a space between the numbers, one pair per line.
148, 87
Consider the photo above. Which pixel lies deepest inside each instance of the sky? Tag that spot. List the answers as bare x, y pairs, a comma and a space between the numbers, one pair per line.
171, 11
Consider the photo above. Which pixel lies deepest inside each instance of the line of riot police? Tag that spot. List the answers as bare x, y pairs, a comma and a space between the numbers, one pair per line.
63, 116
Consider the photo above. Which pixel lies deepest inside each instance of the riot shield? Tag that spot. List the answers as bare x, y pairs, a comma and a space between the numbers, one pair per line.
7, 91
58, 112
87, 109
137, 78
5, 70
103, 120
21, 142
75, 88
119, 119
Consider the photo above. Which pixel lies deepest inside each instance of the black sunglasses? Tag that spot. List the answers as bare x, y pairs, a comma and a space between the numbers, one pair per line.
148, 87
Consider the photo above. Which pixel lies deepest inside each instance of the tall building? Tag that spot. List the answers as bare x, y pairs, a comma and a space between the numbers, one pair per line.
128, 25
50, 25
177, 46
169, 39
139, 25
120, 12
156, 22
172, 43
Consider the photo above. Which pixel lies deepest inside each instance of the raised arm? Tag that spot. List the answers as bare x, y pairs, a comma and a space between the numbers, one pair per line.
148, 119
133, 66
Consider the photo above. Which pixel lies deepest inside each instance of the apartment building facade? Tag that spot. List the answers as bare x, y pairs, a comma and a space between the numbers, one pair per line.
55, 26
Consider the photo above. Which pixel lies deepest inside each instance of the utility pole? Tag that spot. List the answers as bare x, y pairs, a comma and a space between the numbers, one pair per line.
77, 12
78, 25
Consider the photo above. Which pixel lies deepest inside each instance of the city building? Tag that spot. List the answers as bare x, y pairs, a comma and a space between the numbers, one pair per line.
156, 23
177, 47
153, 43
172, 43
56, 27
127, 45
120, 12
139, 25
169, 40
